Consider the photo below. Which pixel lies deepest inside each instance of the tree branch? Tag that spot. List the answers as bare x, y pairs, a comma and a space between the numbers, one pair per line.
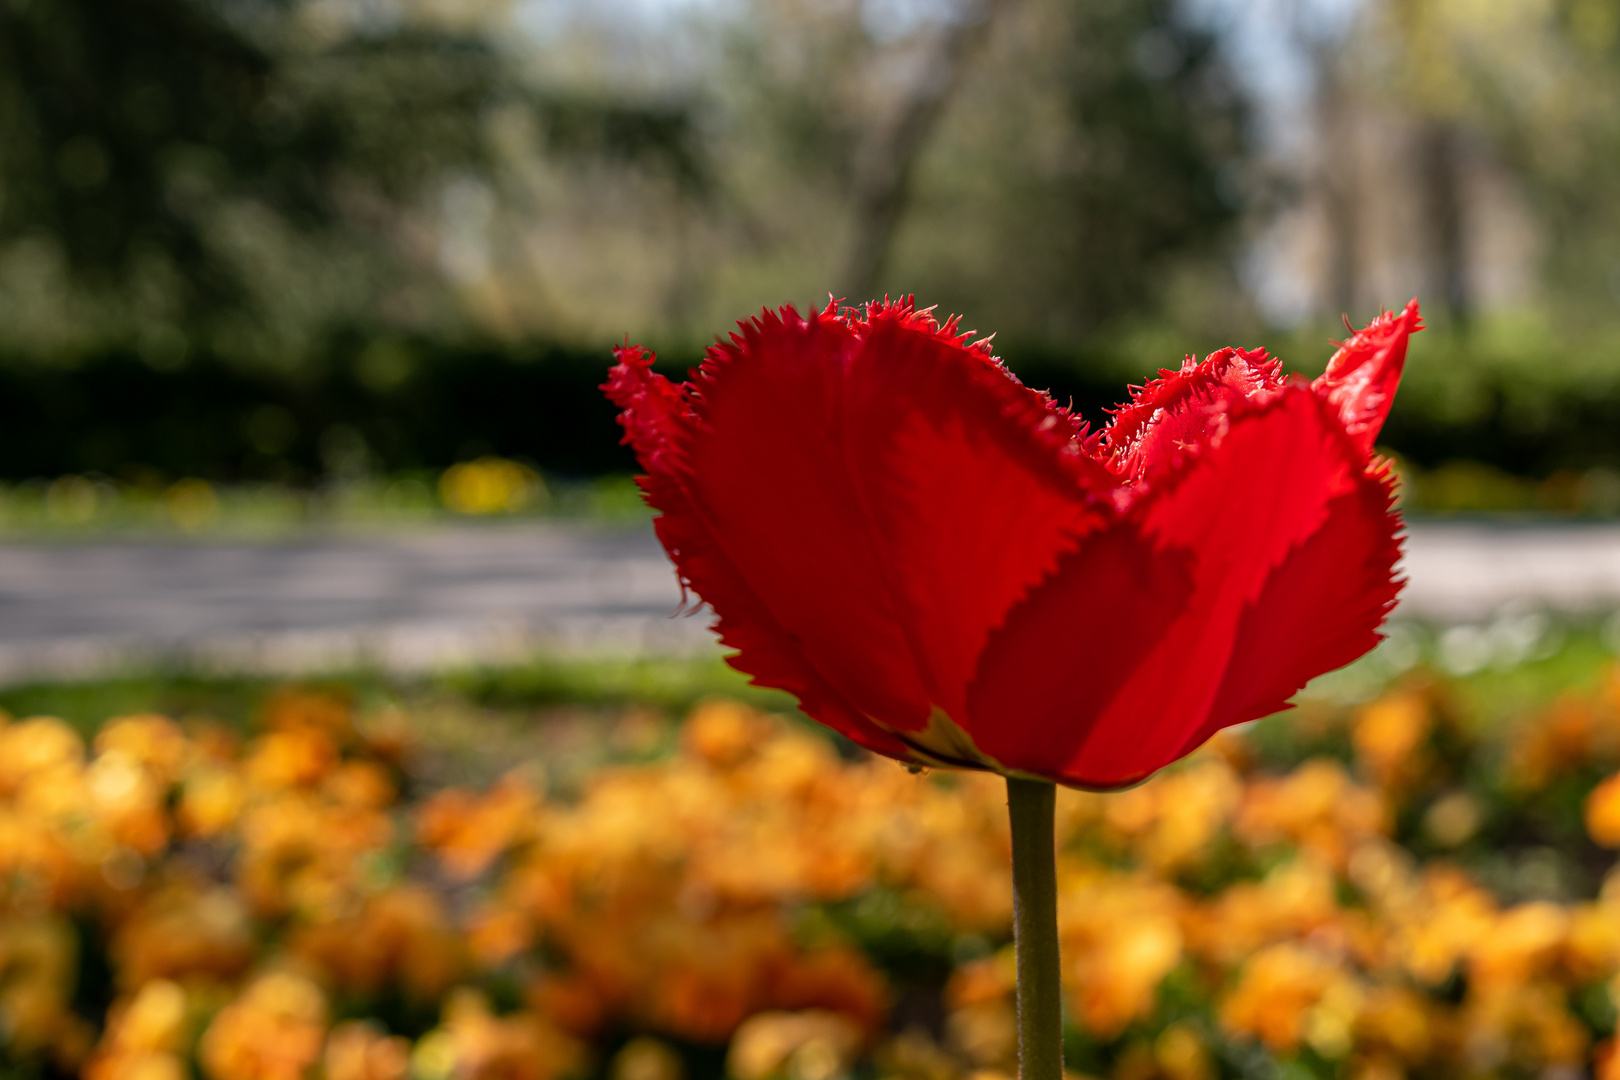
883, 176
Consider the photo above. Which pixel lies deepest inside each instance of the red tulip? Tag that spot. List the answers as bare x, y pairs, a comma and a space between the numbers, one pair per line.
949, 569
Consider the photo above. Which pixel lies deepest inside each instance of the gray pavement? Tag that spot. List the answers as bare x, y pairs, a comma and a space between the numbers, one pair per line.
412, 600
433, 598
1461, 572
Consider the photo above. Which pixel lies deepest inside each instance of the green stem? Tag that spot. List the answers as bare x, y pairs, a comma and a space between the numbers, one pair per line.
1032, 805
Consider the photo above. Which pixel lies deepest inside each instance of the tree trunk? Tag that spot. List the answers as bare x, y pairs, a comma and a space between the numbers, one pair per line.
1441, 177
1337, 165
883, 175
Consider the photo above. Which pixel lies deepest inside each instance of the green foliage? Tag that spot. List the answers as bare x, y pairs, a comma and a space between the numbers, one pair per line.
182, 172
1540, 84
1107, 159
1088, 152
673, 684
248, 179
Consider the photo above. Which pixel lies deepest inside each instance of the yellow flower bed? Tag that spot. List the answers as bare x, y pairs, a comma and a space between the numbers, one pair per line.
181, 900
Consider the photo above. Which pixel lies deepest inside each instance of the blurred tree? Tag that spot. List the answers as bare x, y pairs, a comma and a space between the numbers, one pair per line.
1333, 114
191, 166
244, 176
884, 171
1540, 83
1046, 186
1103, 148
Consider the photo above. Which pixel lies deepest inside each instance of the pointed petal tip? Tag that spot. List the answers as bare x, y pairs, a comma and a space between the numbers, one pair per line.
633, 354
632, 367
1362, 376
1413, 315
651, 407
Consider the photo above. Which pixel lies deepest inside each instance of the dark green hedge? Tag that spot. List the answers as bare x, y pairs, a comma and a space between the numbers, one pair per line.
424, 405
419, 406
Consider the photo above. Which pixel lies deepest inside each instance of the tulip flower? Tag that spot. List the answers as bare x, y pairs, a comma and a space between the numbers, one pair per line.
950, 569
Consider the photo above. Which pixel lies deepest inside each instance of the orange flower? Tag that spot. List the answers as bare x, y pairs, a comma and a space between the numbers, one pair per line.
298, 757
497, 933
295, 708
356, 1050
155, 742
1388, 736
1602, 812
805, 1045
211, 801
1121, 937
300, 852
833, 979
982, 1023
1528, 1027
469, 832
274, 1031
1316, 807
1606, 1060
39, 745
1277, 1000
1592, 946
699, 896
1396, 1021
474, 1044
722, 732
1521, 944
145, 1037
1564, 736
401, 938
1296, 900
38, 961
129, 801
178, 932
1168, 822
1438, 926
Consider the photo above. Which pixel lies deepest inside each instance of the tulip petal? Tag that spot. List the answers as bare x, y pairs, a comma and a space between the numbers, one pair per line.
1361, 377
658, 426
1320, 609
1071, 647
885, 493
1184, 410
1281, 493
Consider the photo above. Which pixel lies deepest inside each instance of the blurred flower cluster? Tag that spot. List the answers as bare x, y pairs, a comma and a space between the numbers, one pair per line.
1388, 890
491, 485
487, 486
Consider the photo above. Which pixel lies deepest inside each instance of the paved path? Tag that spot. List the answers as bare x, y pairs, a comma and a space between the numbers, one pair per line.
407, 601
419, 600
1464, 572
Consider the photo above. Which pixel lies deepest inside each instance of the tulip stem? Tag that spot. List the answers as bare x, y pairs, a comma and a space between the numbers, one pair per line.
1032, 806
